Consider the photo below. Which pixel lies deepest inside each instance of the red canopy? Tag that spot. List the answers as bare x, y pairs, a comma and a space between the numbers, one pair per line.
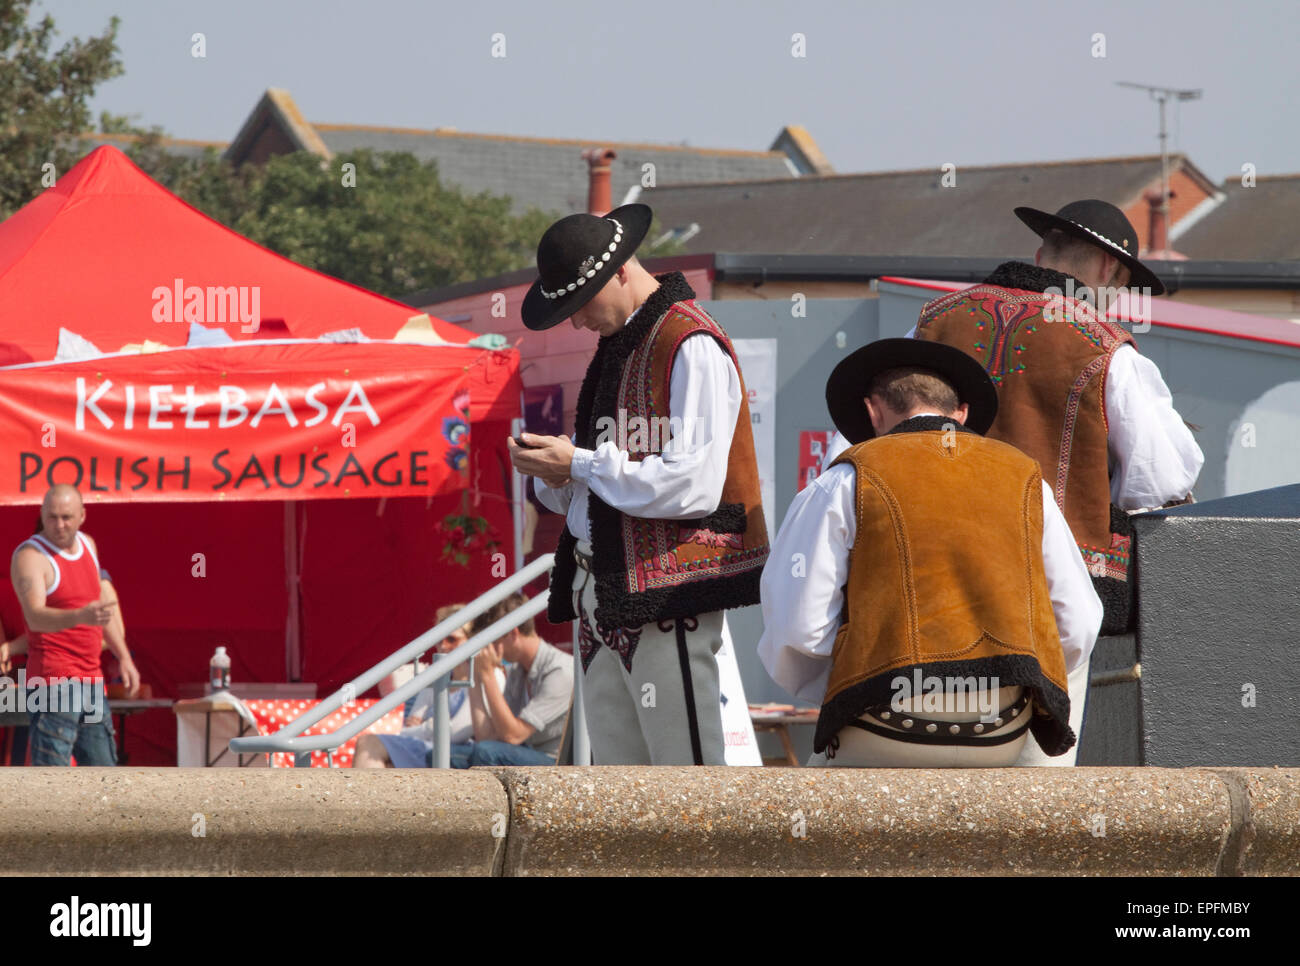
106, 253
95, 252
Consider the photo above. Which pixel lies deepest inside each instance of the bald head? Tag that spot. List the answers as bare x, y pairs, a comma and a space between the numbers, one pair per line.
62, 514
60, 492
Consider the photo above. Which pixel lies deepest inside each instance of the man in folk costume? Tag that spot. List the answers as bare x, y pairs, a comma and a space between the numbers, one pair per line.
926, 589
664, 522
1073, 391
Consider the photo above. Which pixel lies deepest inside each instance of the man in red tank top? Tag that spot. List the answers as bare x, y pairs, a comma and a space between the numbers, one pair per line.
56, 575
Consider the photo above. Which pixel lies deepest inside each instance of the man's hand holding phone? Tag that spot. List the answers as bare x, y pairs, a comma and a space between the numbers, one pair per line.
546, 457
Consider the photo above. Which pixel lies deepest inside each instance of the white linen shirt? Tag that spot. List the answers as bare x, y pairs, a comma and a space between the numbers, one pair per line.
683, 483
1154, 456
801, 614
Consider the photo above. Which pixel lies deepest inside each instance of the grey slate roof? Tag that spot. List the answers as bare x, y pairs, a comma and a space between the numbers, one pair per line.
550, 174
1252, 224
175, 146
897, 212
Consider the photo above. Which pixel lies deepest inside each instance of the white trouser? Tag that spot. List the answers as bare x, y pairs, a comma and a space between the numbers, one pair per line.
641, 716
866, 749
1077, 684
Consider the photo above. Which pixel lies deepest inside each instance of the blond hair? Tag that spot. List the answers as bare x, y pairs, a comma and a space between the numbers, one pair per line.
447, 610
908, 388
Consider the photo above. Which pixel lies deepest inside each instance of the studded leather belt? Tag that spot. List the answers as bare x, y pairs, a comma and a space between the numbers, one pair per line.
927, 731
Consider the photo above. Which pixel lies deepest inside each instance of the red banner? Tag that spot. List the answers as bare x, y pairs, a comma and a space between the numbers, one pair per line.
299, 422
812, 450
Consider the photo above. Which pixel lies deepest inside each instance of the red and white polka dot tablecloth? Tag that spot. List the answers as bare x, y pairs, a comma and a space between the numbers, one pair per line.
272, 715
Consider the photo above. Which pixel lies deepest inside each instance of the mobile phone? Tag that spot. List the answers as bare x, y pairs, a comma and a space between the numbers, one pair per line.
519, 440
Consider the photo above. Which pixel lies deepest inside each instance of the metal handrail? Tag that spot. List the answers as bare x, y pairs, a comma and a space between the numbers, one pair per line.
290, 738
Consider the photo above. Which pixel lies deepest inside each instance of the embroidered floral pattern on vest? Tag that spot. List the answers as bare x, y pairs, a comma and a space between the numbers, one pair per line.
657, 543
1112, 562
646, 569
709, 538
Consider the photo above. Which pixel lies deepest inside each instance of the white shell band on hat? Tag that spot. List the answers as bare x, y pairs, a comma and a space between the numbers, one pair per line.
1098, 234
597, 265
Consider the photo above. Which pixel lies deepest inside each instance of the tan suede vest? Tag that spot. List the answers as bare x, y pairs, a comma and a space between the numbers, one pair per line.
946, 575
1048, 358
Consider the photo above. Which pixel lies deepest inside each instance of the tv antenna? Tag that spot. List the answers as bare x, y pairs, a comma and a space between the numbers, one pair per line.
1161, 96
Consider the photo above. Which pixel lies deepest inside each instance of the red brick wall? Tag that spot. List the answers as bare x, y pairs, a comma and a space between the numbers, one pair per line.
1187, 194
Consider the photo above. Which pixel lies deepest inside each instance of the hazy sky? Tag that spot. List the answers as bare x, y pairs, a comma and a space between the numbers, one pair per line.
882, 86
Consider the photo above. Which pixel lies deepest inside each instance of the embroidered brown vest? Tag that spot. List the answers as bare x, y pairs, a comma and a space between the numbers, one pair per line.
651, 569
946, 576
1048, 357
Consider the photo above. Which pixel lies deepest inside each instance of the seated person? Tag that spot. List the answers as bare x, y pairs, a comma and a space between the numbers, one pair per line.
408, 670
419, 706
412, 747
938, 600
522, 723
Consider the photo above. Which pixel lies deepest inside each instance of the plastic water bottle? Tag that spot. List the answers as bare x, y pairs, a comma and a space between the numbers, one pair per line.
219, 671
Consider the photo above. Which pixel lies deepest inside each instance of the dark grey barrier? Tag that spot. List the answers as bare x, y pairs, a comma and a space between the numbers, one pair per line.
1219, 630
1112, 725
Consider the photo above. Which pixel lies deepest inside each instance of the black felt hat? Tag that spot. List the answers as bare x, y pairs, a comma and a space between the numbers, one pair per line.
576, 257
1105, 226
851, 379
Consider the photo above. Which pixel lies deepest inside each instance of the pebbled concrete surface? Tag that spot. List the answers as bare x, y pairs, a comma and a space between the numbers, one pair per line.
309, 821
1272, 845
1033, 821
651, 821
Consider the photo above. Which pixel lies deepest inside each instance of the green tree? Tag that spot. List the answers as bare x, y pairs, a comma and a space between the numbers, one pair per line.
43, 99
384, 221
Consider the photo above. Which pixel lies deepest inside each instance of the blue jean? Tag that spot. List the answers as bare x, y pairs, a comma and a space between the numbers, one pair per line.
57, 736
494, 753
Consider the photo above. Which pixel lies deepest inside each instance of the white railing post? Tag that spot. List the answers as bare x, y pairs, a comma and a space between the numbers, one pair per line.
441, 724
518, 497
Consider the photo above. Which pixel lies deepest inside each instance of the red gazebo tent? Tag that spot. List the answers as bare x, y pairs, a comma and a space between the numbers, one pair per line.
276, 492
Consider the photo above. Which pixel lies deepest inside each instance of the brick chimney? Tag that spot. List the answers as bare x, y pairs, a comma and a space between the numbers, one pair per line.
599, 190
1157, 239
